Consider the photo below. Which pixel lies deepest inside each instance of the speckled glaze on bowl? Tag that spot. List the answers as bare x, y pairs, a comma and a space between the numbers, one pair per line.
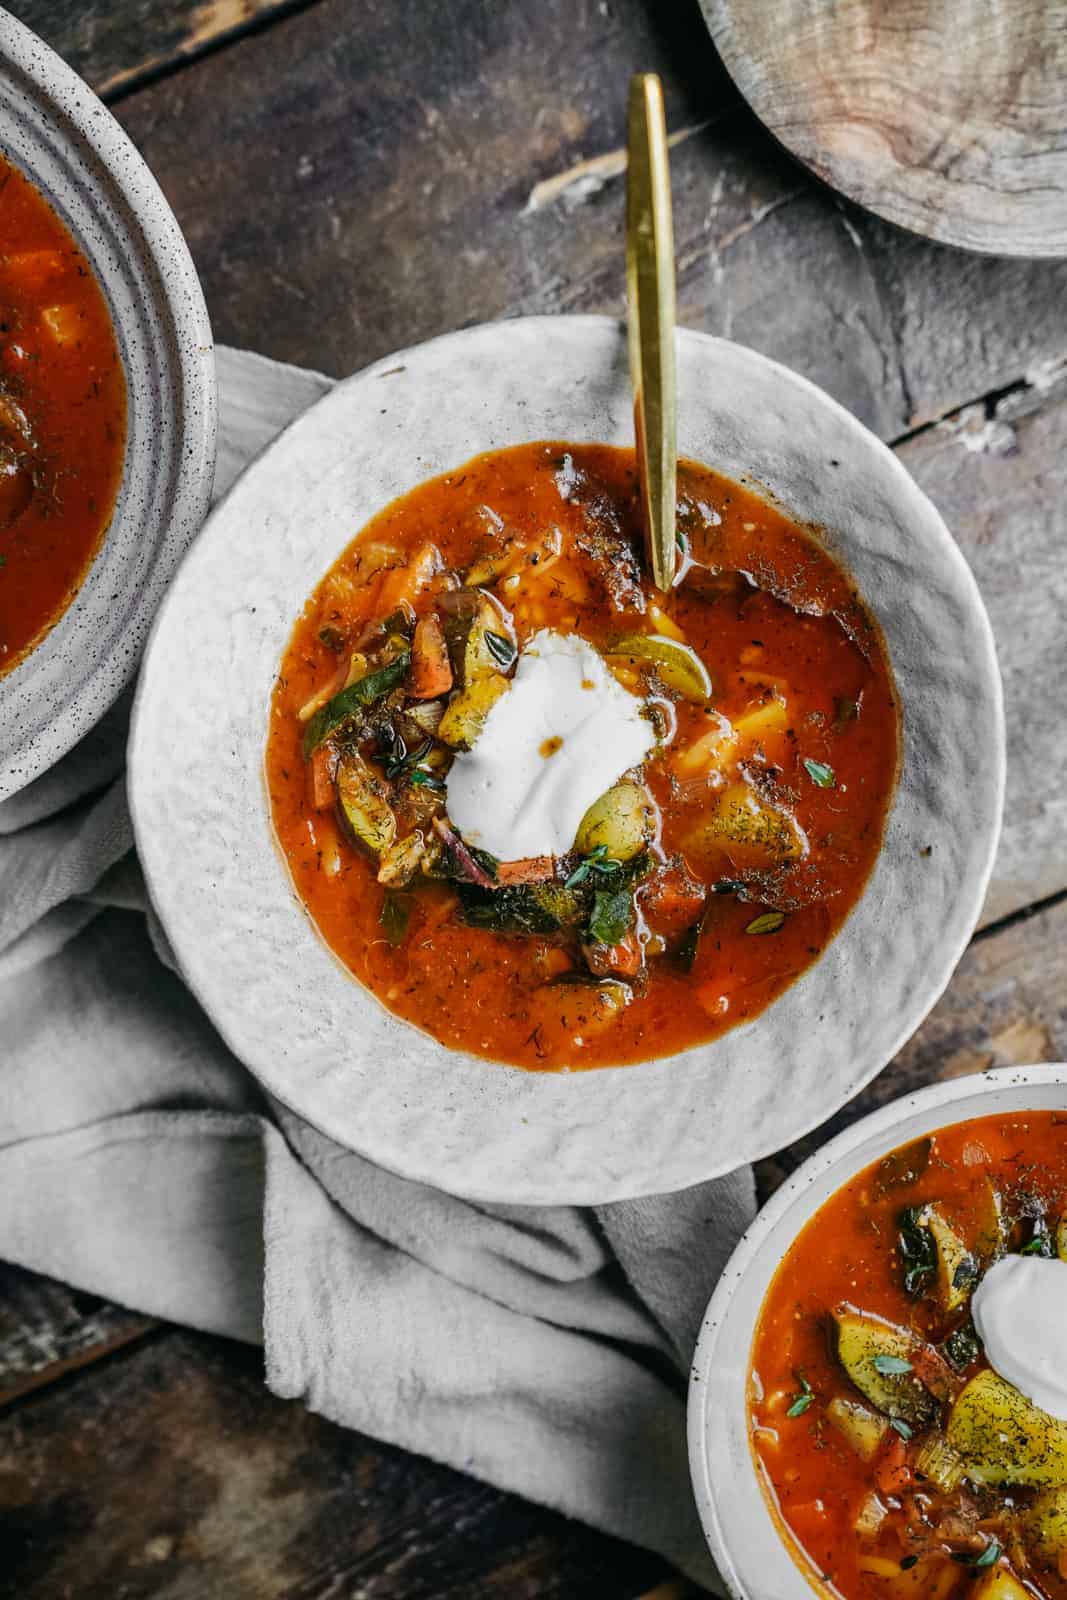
743, 1537
55, 130
321, 1042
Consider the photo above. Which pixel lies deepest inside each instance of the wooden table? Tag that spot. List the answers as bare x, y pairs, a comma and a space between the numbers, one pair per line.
355, 175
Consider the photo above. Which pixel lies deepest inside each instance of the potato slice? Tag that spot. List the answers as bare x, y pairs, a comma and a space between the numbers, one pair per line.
863, 1430
748, 829
462, 722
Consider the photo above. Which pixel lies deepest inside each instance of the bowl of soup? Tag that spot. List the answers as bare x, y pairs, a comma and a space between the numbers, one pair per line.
513, 872
878, 1405
107, 405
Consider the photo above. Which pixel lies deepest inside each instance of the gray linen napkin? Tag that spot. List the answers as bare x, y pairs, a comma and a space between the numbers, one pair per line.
542, 1349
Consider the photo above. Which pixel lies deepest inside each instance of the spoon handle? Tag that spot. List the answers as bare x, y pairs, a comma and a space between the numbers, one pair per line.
650, 304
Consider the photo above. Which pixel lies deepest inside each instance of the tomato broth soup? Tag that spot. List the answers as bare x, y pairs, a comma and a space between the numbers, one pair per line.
551, 815
62, 417
904, 1358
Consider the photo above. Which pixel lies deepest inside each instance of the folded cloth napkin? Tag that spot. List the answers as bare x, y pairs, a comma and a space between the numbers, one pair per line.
544, 1349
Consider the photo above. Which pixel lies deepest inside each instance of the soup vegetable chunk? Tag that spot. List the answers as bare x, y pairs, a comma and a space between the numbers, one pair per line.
62, 417
908, 1390
553, 816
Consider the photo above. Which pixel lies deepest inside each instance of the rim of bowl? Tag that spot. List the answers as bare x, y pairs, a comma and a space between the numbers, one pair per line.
165, 336
415, 1168
932, 1106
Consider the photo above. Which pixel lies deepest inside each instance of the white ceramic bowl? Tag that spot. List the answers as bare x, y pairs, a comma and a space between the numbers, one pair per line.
55, 130
741, 1533
321, 1042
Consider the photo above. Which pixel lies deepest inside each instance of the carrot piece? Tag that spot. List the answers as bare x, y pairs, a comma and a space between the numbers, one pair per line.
532, 869
431, 670
321, 777
892, 1472
672, 899
622, 960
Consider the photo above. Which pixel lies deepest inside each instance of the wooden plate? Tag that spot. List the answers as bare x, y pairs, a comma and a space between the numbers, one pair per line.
950, 120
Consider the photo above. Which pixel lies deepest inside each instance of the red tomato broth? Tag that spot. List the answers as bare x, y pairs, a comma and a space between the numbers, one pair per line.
848, 1256
62, 417
471, 988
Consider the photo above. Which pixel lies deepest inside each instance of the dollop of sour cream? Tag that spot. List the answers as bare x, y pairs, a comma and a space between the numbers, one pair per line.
565, 731
1020, 1312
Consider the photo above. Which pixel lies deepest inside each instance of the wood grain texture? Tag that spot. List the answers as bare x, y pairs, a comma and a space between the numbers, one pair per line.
950, 120
998, 474
1005, 1006
48, 1330
172, 1473
352, 181
117, 46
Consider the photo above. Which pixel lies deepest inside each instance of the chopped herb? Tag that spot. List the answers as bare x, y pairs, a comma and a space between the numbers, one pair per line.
918, 1250
597, 861
907, 1562
344, 706
961, 1347
1040, 1242
612, 916
981, 1559
425, 780
404, 759
803, 1400
501, 649
845, 711
901, 1427
966, 1274
769, 922
890, 1365
729, 886
820, 773
394, 916
686, 953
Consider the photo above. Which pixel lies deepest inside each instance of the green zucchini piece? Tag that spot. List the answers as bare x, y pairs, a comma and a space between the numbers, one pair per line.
872, 1353
348, 703
523, 908
677, 664
362, 796
957, 1270
620, 823
463, 721
1004, 1438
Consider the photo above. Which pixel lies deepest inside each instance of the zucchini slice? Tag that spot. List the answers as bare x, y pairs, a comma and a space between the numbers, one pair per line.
862, 1429
362, 796
876, 1355
1004, 1438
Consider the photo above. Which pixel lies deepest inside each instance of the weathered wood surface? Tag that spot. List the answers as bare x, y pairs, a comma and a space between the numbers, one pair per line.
951, 120
998, 474
118, 46
48, 1330
1005, 1006
352, 180
173, 1474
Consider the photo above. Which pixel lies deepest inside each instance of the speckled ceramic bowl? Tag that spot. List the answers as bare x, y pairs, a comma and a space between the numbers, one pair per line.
742, 1535
54, 129
320, 1041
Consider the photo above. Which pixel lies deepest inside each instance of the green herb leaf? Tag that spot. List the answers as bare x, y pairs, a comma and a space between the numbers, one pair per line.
989, 1555
769, 922
597, 861
612, 916
983, 1558
3, 561
820, 773
800, 1405
917, 1249
501, 649
686, 953
961, 1347
895, 1365
345, 705
425, 780
901, 1427
907, 1562
1040, 1242
729, 886
394, 917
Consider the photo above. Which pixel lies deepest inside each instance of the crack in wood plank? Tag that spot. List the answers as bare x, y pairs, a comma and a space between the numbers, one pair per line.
585, 179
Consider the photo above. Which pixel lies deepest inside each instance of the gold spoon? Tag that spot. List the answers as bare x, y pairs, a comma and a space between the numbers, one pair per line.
650, 306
